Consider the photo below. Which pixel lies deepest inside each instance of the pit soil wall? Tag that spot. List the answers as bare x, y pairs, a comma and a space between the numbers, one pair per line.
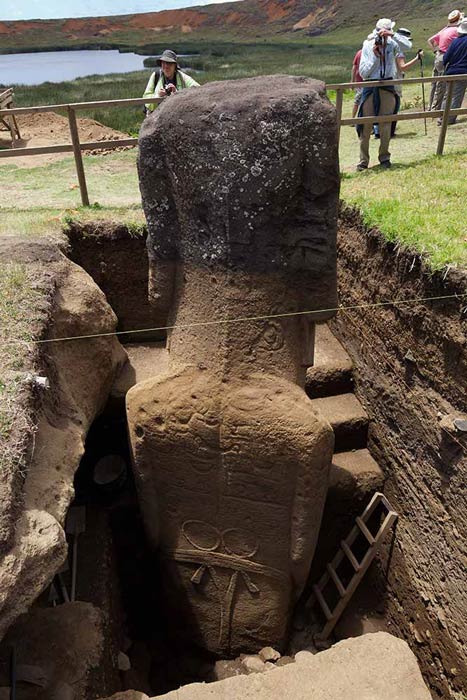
411, 376
116, 259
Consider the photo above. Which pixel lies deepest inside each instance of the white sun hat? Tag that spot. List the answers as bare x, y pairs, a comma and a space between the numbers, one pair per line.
385, 23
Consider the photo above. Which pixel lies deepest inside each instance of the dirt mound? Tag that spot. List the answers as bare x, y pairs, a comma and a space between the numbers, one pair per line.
49, 128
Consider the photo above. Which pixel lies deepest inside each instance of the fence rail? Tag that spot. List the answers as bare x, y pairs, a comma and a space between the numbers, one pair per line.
76, 147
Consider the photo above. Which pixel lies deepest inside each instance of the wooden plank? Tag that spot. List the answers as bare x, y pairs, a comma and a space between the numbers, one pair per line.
365, 531
338, 583
375, 500
339, 103
78, 157
402, 116
445, 121
324, 606
67, 148
6, 97
15, 123
108, 145
130, 102
399, 81
350, 556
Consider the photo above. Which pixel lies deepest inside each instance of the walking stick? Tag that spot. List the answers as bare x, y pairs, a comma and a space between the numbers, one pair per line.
423, 85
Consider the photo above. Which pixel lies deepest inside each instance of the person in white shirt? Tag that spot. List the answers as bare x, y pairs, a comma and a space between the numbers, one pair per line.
378, 62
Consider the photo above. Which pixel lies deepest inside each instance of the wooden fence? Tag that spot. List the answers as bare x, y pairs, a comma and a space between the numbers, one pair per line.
8, 120
76, 147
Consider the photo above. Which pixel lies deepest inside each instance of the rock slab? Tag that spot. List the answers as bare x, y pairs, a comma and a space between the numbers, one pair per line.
372, 667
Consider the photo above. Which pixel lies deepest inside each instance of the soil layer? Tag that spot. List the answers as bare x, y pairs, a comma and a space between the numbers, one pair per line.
116, 259
411, 375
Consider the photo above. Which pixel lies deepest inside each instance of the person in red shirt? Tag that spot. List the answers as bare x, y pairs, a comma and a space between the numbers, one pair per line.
356, 78
440, 43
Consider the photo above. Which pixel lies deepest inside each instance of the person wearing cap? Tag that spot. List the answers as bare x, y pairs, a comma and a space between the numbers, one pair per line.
377, 63
440, 43
455, 63
169, 80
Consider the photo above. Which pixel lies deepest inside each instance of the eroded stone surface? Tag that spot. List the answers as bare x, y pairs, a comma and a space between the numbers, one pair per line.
79, 374
230, 459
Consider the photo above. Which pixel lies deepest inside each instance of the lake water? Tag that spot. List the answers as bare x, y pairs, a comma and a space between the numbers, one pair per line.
57, 66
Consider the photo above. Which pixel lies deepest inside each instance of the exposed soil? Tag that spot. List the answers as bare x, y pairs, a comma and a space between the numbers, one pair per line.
117, 260
49, 129
411, 376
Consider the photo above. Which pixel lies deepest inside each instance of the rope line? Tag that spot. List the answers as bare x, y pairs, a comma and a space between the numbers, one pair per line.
241, 319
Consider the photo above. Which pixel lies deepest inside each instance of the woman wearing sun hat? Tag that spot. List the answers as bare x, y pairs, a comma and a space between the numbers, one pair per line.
440, 43
455, 63
168, 80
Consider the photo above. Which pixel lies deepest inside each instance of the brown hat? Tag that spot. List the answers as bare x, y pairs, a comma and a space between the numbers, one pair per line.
168, 56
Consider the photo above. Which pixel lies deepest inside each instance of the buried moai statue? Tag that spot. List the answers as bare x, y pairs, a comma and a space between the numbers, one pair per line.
240, 189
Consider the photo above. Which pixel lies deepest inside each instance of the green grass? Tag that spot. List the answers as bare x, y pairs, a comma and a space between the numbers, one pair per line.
422, 201
19, 300
421, 205
112, 180
46, 221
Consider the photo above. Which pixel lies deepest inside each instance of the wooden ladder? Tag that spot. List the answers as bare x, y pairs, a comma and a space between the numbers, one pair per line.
373, 542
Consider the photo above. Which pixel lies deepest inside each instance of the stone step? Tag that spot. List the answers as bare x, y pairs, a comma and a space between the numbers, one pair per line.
332, 371
355, 474
348, 419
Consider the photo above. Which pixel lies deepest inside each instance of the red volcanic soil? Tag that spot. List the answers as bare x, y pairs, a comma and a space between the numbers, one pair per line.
21, 27
265, 16
277, 9
249, 14
168, 18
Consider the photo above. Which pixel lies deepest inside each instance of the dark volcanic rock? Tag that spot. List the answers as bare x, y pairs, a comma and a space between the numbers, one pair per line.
244, 174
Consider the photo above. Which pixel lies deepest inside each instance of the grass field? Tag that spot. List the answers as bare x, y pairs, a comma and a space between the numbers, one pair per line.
420, 202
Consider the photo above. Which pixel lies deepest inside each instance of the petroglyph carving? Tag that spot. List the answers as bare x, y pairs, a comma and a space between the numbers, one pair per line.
231, 463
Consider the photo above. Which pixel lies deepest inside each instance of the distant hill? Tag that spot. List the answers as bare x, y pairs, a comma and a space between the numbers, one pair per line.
248, 18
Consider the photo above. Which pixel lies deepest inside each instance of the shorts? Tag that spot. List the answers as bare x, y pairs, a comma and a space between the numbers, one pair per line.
358, 95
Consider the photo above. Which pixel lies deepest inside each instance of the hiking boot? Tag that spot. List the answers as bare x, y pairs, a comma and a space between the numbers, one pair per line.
362, 166
385, 164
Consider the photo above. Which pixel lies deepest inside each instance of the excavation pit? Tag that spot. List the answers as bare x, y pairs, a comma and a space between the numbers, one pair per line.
411, 406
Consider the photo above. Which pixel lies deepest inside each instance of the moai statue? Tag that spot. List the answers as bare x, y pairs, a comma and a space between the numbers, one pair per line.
240, 189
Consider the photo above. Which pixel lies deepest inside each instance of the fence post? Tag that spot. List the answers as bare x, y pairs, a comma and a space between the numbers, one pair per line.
339, 101
78, 157
444, 123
